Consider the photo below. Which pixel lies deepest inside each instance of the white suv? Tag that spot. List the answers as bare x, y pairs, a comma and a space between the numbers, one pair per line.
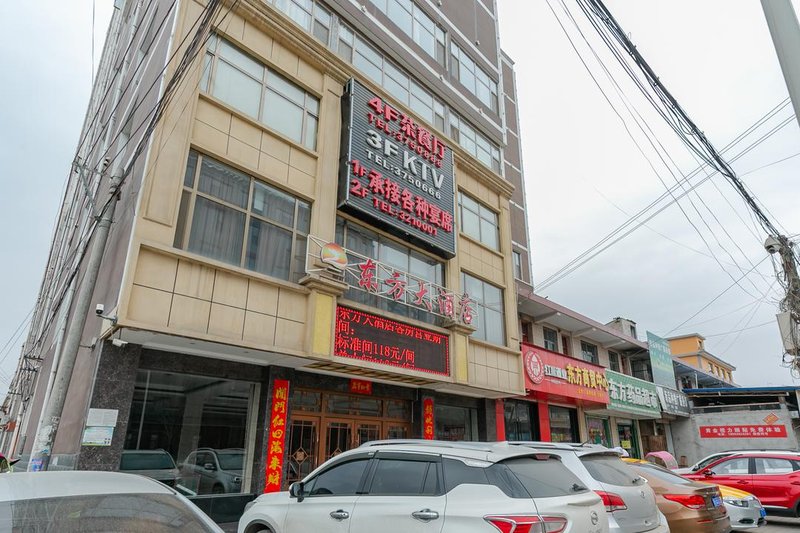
418, 486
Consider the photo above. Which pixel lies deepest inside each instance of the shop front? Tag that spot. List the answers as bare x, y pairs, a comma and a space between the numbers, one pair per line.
631, 414
560, 389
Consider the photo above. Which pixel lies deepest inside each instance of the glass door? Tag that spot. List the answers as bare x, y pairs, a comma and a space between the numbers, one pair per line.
303, 443
338, 435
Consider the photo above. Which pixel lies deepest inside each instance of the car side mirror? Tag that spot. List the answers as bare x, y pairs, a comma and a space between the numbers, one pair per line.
296, 491
210, 467
708, 472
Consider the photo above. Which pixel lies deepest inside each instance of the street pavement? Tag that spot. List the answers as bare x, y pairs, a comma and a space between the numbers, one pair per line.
779, 525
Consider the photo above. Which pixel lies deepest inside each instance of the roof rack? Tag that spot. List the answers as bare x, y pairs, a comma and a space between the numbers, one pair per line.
481, 446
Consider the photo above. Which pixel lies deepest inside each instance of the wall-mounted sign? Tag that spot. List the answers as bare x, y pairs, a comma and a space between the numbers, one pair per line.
277, 435
549, 373
428, 430
367, 275
632, 395
396, 172
743, 432
771, 418
376, 339
661, 361
673, 402
360, 386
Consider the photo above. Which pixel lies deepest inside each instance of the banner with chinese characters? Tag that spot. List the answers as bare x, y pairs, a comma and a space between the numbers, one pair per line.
395, 172
277, 435
549, 375
379, 340
673, 402
365, 274
428, 428
632, 395
661, 360
777, 431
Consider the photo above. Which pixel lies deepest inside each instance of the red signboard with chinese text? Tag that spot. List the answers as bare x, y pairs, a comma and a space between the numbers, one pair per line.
360, 386
376, 339
549, 374
396, 172
777, 431
277, 435
427, 419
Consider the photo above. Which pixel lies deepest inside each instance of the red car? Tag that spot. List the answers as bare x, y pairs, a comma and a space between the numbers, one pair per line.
774, 478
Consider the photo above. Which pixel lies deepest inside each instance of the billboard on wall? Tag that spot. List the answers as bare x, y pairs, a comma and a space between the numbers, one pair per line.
632, 395
395, 172
550, 374
661, 361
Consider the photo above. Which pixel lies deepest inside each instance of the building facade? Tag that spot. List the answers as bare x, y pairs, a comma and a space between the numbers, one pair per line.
319, 244
695, 367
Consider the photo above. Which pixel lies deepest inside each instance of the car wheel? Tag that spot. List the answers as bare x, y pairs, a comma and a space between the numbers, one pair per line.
217, 489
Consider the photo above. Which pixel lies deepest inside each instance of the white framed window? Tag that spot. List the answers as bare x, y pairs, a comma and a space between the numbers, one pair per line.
491, 320
415, 23
242, 82
517, 258
550, 339
478, 221
472, 77
231, 217
589, 352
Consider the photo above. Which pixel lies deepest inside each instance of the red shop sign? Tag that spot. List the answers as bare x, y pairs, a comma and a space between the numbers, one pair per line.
550, 374
744, 432
277, 435
360, 386
427, 419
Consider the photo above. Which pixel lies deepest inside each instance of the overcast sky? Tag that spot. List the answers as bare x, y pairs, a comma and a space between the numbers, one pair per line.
583, 171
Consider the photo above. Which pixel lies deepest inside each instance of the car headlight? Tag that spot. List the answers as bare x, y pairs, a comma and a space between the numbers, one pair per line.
736, 502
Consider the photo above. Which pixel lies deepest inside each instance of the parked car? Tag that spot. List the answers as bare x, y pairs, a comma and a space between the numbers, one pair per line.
690, 506
744, 509
773, 477
156, 464
208, 470
705, 461
410, 486
628, 499
80, 501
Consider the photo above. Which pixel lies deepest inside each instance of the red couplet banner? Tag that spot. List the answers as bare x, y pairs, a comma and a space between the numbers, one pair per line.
277, 435
777, 431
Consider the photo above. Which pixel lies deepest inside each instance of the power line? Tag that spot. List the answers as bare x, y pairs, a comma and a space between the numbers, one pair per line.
768, 322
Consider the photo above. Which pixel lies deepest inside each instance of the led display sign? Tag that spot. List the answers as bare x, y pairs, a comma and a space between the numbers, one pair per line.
395, 172
379, 340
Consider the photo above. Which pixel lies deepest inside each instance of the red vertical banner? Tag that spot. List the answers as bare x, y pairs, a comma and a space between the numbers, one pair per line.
500, 419
427, 419
277, 435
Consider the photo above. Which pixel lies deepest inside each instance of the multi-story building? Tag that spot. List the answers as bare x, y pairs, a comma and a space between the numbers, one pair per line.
318, 243
697, 368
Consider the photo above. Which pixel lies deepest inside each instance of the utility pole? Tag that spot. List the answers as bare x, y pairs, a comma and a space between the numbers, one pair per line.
785, 31
45, 437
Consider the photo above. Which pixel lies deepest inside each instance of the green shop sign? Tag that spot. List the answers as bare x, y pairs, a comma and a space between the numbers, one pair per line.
632, 395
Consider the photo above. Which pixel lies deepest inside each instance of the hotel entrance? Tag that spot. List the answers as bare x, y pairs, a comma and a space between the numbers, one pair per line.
325, 424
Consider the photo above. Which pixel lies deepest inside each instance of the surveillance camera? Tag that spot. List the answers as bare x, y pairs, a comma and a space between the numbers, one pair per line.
119, 343
99, 310
772, 245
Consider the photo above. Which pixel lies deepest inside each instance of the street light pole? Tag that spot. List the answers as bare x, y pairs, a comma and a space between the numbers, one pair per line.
785, 31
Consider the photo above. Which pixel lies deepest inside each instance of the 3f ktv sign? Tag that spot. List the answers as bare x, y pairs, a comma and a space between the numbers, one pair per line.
396, 172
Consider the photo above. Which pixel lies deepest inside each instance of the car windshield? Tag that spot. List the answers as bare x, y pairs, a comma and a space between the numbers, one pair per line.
660, 473
545, 478
610, 469
230, 460
146, 461
154, 513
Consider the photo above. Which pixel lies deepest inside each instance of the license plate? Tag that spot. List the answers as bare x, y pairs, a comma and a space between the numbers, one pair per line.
717, 501
763, 512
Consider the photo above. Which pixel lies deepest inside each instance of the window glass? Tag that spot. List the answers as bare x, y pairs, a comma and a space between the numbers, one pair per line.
547, 478
154, 513
278, 103
563, 424
773, 465
189, 421
610, 469
490, 320
738, 466
276, 246
613, 361
457, 473
662, 474
394, 476
455, 423
710, 459
589, 352
478, 221
341, 480
473, 77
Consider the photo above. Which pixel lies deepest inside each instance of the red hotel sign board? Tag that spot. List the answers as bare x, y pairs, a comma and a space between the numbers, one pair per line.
379, 340
277, 435
777, 431
550, 374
